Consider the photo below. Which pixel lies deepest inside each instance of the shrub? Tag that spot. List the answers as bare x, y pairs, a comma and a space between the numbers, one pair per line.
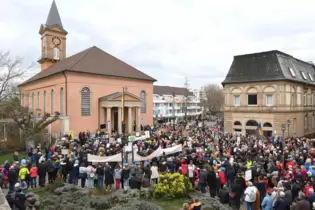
171, 186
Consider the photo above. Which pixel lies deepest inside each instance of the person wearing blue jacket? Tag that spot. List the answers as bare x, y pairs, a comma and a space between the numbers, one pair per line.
267, 202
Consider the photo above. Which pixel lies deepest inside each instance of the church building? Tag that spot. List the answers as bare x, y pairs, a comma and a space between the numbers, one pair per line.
86, 88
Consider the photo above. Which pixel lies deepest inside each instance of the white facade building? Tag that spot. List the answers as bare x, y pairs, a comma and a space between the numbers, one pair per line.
162, 103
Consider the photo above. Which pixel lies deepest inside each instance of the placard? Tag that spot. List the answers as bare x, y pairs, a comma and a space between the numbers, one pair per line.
64, 151
131, 138
147, 134
119, 140
199, 149
128, 148
248, 175
111, 140
137, 133
106, 136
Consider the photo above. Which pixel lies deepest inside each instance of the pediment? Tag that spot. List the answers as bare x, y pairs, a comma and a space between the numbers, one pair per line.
118, 97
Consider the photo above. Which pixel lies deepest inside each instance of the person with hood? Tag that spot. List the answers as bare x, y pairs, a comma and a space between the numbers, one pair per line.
5, 173
75, 172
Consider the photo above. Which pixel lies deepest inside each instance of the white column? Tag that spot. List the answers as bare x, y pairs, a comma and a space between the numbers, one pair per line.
102, 115
108, 125
138, 127
129, 119
119, 120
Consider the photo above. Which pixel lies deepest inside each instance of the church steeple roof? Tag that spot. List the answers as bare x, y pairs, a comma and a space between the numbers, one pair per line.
53, 16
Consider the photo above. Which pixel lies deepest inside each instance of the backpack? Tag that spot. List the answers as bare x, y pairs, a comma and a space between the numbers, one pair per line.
252, 195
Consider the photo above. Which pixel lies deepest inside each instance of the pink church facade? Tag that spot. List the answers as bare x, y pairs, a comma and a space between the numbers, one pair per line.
87, 88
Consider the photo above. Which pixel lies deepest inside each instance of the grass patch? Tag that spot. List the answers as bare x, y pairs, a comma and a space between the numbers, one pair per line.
173, 204
9, 157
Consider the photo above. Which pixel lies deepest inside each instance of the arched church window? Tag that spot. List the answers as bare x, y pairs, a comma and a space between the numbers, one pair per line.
56, 53
33, 101
38, 104
52, 102
62, 94
143, 97
45, 47
85, 101
44, 108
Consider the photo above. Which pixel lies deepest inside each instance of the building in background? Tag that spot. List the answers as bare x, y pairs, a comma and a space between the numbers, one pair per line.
163, 99
271, 88
198, 93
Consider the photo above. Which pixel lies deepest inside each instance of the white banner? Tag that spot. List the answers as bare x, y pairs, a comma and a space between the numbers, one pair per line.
117, 158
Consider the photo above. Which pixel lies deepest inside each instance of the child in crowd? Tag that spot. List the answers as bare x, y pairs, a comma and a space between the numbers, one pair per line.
33, 175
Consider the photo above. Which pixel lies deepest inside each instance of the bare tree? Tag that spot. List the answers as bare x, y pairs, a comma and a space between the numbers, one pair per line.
29, 124
214, 99
10, 70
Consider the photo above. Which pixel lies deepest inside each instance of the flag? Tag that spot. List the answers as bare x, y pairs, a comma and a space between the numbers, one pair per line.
259, 130
173, 105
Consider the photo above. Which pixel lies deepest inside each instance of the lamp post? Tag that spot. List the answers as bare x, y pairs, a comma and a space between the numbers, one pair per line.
283, 129
288, 122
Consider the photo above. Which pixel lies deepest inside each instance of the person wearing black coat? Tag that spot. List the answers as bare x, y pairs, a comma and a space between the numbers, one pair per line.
12, 177
109, 177
42, 170
224, 195
211, 181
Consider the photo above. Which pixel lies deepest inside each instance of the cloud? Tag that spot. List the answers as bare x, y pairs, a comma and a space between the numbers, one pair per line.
167, 39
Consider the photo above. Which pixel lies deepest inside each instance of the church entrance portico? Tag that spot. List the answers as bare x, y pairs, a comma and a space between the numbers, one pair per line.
111, 115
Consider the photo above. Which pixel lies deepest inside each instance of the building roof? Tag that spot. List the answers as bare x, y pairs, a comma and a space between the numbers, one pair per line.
269, 66
53, 16
167, 90
92, 61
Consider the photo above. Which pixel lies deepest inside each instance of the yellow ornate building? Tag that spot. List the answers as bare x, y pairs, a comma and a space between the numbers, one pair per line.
271, 88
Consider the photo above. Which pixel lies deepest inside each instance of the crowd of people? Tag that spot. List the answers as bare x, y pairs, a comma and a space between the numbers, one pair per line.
263, 173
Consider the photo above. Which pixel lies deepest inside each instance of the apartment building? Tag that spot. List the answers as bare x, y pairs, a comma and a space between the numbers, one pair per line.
163, 103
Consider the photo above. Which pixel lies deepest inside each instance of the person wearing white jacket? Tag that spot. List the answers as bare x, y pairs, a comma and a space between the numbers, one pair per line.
90, 171
154, 174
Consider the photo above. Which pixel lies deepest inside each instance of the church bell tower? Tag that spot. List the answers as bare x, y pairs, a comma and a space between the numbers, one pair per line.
53, 39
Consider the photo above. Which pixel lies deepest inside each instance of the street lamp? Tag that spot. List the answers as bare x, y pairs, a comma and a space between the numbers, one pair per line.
288, 122
283, 129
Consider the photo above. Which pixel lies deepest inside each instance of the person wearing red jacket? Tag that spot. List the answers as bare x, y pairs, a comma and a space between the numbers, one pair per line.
222, 177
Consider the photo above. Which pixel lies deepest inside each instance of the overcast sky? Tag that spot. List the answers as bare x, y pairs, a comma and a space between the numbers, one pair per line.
167, 39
